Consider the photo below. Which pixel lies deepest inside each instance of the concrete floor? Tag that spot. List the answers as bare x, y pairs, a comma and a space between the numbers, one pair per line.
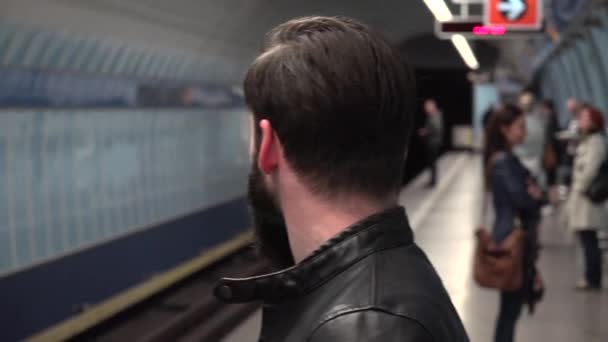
445, 218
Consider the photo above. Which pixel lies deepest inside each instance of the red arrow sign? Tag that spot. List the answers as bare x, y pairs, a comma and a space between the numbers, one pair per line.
514, 14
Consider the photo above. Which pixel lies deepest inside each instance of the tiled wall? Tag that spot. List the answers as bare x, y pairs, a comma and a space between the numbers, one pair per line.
71, 179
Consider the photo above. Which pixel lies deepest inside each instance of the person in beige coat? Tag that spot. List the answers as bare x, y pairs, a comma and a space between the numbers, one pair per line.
584, 216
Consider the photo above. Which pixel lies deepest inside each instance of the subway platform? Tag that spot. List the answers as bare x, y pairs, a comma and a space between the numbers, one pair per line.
444, 219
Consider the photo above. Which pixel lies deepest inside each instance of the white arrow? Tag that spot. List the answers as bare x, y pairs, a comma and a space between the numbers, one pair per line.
514, 8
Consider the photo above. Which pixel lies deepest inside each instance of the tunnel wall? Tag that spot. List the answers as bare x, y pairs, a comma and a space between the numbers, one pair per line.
102, 187
579, 67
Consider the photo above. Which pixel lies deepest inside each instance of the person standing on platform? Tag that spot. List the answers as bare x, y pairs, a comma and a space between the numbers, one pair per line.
432, 133
553, 147
574, 106
569, 140
584, 216
516, 198
330, 102
531, 150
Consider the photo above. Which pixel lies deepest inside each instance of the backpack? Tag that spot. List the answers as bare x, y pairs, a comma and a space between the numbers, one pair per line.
598, 190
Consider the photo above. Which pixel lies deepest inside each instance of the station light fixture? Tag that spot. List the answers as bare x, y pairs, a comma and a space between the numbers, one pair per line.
439, 9
442, 14
463, 47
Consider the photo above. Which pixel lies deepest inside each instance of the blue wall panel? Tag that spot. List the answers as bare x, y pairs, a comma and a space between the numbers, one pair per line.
41, 296
73, 179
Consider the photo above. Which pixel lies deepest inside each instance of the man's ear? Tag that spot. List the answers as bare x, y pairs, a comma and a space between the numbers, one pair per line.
268, 153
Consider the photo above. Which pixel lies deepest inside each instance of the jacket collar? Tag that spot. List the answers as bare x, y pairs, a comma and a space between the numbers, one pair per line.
387, 229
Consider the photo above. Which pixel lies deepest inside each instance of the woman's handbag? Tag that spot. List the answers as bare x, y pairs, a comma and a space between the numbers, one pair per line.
499, 266
598, 189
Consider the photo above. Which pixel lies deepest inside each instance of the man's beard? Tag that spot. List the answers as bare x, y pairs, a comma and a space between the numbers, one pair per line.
268, 222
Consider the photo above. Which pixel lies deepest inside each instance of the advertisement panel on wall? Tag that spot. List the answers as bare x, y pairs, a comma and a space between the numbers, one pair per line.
30, 88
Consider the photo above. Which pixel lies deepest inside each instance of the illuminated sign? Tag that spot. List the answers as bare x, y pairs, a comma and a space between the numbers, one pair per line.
476, 28
514, 14
493, 30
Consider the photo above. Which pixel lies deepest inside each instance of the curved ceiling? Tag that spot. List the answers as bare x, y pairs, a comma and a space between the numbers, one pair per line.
245, 21
229, 30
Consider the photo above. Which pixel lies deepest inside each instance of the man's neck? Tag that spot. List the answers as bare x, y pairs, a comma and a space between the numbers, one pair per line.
313, 221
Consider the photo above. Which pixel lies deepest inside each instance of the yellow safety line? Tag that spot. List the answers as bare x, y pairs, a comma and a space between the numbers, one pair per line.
117, 303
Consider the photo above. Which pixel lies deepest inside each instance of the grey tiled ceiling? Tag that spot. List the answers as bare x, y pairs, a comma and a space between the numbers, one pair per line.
233, 30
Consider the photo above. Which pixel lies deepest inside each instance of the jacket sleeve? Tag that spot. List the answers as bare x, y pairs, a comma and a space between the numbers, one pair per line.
514, 188
370, 325
592, 163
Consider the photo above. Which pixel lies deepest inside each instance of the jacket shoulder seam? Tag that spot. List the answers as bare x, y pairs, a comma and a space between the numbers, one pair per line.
352, 310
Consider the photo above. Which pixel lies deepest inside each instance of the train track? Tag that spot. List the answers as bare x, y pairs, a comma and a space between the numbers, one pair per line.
187, 311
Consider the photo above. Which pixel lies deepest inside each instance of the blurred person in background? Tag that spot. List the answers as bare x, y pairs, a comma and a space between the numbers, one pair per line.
432, 133
531, 150
574, 106
553, 148
516, 198
569, 139
584, 216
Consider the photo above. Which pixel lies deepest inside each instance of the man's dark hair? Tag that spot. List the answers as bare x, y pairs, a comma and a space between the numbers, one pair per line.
339, 97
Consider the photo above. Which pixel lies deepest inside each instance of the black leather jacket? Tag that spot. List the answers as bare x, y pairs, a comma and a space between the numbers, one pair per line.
369, 283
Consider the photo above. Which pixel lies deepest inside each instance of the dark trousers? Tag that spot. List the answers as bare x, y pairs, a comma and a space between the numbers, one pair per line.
431, 155
593, 257
551, 176
511, 304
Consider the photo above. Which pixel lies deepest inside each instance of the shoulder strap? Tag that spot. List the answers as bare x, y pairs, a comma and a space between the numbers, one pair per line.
484, 208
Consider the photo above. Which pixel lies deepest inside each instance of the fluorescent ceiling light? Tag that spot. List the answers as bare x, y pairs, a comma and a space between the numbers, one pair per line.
465, 51
440, 9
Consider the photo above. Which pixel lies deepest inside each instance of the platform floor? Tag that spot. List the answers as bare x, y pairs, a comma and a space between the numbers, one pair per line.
444, 219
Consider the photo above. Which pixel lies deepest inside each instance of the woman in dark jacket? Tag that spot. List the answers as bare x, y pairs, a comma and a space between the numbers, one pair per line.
516, 200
